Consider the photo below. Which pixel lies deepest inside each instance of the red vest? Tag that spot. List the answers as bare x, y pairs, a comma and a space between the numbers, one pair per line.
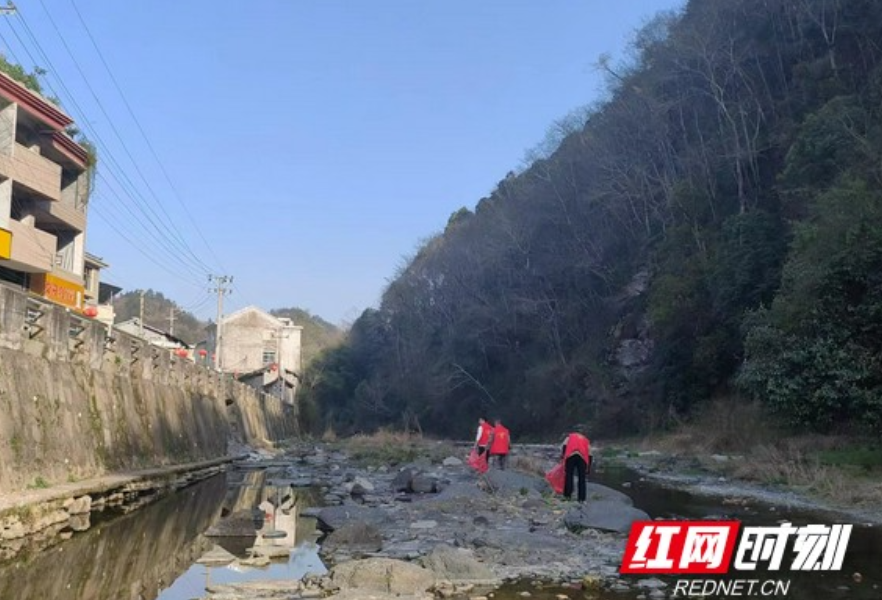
577, 444
500, 443
486, 429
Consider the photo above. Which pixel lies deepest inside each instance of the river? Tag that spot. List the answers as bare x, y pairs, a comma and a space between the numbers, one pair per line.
151, 554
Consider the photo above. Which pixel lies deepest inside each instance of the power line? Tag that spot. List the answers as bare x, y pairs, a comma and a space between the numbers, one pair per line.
174, 231
113, 167
143, 133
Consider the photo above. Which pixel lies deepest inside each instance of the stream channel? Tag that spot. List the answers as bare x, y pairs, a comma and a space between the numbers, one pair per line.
151, 554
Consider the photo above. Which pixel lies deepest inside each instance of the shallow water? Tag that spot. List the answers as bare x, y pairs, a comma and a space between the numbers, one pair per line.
151, 554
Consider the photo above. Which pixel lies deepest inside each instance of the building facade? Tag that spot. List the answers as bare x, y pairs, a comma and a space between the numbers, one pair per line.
44, 191
260, 348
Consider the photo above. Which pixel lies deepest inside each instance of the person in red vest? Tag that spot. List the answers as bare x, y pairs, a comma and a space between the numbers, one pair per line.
482, 440
576, 451
500, 443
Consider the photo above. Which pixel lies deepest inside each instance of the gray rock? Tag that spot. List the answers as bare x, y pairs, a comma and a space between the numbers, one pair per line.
382, 575
78, 506
596, 492
423, 484
456, 565
402, 481
354, 537
452, 461
334, 517
514, 482
604, 515
651, 584
237, 524
458, 491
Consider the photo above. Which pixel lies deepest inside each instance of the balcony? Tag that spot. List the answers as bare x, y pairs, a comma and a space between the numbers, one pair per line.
33, 251
60, 214
38, 174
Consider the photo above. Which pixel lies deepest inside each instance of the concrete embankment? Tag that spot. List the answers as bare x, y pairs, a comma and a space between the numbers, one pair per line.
79, 401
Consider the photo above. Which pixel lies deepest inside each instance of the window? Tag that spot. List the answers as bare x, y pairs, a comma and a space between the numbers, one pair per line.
269, 357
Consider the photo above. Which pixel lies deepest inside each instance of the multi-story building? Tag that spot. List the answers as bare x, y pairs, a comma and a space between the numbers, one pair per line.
44, 190
260, 349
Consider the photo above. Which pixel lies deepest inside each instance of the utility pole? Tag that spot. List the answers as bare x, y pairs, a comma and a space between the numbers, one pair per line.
9, 9
171, 320
221, 282
141, 318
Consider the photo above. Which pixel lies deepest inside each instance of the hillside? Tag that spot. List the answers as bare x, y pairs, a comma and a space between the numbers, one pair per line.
317, 335
713, 229
158, 312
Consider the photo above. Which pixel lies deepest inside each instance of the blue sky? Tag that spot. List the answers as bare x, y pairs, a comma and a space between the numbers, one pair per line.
304, 146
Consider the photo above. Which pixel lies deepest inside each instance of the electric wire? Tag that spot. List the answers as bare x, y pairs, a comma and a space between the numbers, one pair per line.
170, 223
112, 165
143, 133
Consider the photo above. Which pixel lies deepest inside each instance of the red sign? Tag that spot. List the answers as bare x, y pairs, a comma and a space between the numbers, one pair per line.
673, 547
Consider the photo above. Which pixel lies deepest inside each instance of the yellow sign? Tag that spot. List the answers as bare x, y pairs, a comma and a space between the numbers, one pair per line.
58, 290
5, 244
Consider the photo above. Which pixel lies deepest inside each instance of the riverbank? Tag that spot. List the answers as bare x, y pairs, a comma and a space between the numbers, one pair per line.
742, 455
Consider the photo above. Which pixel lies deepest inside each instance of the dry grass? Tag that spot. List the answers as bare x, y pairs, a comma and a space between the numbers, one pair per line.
767, 454
527, 464
391, 448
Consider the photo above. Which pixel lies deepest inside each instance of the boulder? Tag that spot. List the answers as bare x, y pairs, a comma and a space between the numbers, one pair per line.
456, 565
605, 515
384, 575
515, 482
238, 524
335, 517
423, 484
402, 481
458, 491
596, 492
452, 461
354, 537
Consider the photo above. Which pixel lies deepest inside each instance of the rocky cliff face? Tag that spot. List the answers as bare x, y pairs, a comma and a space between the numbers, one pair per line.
631, 341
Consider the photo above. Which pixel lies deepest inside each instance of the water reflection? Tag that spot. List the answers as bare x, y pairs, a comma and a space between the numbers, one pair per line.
130, 558
151, 553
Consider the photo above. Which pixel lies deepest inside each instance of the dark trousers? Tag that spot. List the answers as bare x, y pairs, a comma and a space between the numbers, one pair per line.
503, 460
577, 466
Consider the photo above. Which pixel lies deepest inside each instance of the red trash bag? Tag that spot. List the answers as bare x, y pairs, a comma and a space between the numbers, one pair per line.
557, 477
478, 463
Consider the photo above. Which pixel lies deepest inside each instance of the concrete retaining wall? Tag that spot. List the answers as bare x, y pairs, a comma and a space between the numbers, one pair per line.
79, 400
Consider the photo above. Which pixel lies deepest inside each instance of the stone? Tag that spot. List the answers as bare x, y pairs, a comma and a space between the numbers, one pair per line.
270, 551
255, 561
511, 483
384, 575
604, 515
217, 556
596, 492
354, 537
402, 481
424, 524
237, 524
452, 461
457, 565
78, 506
459, 491
334, 517
423, 484
651, 584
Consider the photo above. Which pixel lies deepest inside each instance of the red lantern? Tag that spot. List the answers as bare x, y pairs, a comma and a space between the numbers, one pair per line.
274, 367
182, 352
203, 353
91, 311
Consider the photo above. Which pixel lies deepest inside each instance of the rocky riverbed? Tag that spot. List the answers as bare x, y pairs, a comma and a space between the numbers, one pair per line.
436, 528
